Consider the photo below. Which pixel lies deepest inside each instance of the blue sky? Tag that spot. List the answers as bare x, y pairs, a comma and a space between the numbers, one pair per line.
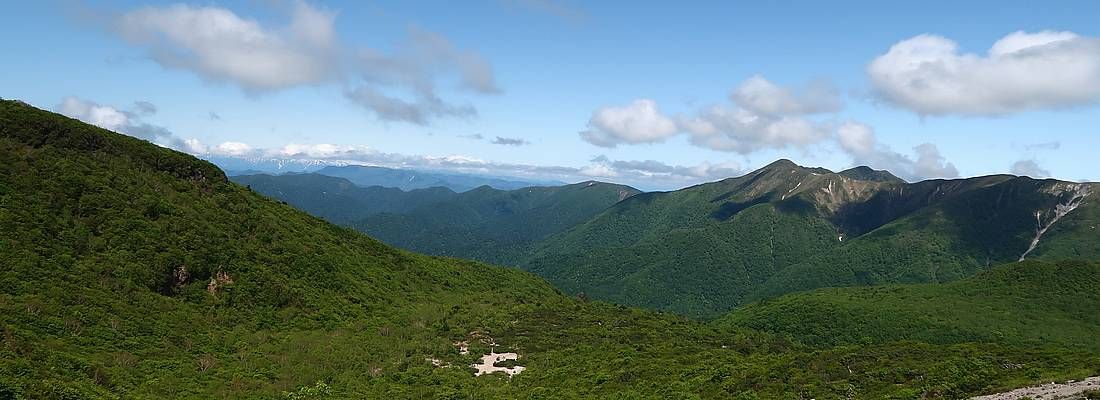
662, 90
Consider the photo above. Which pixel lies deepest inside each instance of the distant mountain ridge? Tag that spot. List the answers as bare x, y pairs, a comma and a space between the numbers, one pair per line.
369, 175
338, 200
705, 249
484, 223
407, 179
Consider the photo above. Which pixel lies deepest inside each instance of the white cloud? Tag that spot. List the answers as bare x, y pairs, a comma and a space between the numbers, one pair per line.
1022, 71
219, 45
646, 174
322, 150
598, 171
231, 149
760, 96
931, 164
194, 146
638, 122
105, 117
762, 115
1029, 168
128, 122
860, 142
656, 169
743, 131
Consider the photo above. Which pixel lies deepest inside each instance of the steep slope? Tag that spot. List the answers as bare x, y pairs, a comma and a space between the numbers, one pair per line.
337, 199
989, 223
406, 179
133, 271
703, 250
1028, 303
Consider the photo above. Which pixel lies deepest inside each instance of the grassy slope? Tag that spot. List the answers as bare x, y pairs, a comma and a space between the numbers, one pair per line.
93, 226
1029, 304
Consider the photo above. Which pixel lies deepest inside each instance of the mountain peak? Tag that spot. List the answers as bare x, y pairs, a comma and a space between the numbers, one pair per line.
781, 163
784, 164
865, 173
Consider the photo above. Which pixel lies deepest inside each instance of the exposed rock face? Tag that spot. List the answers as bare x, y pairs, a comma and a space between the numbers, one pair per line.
218, 280
1074, 195
489, 361
1050, 391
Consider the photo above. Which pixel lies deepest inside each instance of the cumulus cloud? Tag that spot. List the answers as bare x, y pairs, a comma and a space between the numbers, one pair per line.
638, 122
762, 115
860, 142
1022, 71
128, 121
221, 46
510, 141
760, 96
1029, 168
744, 131
231, 149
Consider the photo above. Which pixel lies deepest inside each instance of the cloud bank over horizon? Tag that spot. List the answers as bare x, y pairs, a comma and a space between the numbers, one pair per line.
929, 75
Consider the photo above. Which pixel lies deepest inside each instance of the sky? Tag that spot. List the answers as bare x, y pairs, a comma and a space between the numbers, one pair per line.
656, 95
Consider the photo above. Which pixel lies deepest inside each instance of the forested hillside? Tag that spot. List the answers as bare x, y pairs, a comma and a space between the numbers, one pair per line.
493, 225
486, 224
704, 250
133, 271
337, 199
1028, 303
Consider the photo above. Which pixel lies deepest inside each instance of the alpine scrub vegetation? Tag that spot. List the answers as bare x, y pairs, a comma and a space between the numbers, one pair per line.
1030, 303
134, 271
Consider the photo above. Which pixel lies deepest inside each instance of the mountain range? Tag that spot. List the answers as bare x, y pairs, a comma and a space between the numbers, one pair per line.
133, 271
366, 175
487, 224
704, 250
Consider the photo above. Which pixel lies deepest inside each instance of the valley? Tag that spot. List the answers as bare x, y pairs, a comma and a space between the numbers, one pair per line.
704, 250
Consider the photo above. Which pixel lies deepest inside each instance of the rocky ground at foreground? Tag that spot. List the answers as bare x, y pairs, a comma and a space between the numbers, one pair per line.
1051, 391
